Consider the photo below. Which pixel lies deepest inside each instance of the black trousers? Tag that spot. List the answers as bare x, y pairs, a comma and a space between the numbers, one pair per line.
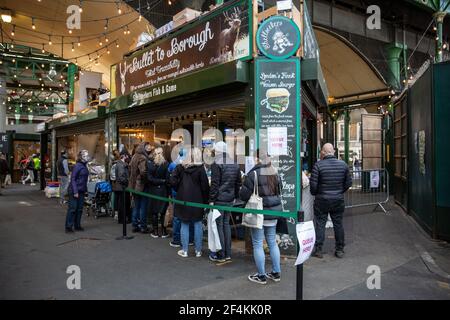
336, 210
120, 208
159, 209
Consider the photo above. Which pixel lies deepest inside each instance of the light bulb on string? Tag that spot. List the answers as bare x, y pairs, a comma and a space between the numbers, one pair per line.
13, 31
100, 43
73, 48
79, 42
70, 31
119, 10
43, 49
106, 25
33, 26
117, 44
81, 6
49, 41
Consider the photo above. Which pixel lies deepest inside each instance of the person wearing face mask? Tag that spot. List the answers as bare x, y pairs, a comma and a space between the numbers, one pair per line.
138, 182
77, 189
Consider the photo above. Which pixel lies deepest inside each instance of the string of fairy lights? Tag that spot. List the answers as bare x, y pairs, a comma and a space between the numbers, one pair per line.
47, 40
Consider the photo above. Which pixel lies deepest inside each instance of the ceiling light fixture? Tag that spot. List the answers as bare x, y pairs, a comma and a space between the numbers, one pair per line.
6, 16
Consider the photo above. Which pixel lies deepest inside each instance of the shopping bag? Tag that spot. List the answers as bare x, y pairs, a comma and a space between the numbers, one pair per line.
255, 202
213, 234
307, 204
8, 180
169, 216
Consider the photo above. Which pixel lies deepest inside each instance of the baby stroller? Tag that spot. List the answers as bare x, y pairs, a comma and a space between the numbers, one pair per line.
98, 199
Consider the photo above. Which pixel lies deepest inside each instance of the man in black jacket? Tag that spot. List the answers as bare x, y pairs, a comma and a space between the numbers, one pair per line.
225, 185
330, 179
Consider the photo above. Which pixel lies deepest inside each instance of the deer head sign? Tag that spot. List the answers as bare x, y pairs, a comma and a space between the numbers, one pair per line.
123, 73
229, 36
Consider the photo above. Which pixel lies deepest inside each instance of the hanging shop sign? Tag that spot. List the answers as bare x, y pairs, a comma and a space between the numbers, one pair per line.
220, 37
278, 121
278, 38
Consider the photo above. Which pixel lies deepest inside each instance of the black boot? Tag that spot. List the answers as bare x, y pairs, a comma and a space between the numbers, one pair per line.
164, 233
155, 233
317, 252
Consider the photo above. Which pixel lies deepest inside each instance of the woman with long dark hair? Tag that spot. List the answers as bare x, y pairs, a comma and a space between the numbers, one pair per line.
121, 174
269, 188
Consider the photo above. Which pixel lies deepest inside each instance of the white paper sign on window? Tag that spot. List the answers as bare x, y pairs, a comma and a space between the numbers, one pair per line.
374, 179
277, 141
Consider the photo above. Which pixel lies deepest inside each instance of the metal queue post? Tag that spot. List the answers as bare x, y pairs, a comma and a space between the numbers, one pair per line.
299, 273
124, 219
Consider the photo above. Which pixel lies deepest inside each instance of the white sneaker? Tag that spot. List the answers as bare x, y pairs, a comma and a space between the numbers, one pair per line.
32, 184
182, 253
198, 254
23, 182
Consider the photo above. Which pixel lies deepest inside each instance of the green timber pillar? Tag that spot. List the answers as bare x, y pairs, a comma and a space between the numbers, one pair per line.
347, 135
250, 147
439, 20
394, 51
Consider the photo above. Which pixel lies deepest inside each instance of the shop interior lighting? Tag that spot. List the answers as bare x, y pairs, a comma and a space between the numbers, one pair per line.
6, 16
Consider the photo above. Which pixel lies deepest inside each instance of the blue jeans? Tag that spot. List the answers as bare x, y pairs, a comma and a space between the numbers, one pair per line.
198, 235
74, 211
176, 225
139, 215
258, 250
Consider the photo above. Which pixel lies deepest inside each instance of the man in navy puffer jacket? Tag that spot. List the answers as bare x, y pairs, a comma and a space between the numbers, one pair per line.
330, 179
77, 189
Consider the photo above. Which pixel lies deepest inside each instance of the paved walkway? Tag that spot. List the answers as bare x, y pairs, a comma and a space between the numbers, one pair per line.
35, 252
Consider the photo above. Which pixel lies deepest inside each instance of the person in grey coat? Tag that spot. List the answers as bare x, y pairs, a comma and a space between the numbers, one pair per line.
330, 179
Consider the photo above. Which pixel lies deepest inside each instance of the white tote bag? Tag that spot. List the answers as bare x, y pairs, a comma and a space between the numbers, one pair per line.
255, 202
213, 234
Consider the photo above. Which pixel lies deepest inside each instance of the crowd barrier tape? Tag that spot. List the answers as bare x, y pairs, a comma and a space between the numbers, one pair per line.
282, 214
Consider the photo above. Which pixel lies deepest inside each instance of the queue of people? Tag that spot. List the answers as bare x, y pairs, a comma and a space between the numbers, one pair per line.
148, 170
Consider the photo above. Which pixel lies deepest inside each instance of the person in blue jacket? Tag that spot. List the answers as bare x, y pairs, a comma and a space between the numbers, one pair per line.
77, 189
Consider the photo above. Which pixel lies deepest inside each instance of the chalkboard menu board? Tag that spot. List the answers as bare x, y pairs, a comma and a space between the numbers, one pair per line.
278, 121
